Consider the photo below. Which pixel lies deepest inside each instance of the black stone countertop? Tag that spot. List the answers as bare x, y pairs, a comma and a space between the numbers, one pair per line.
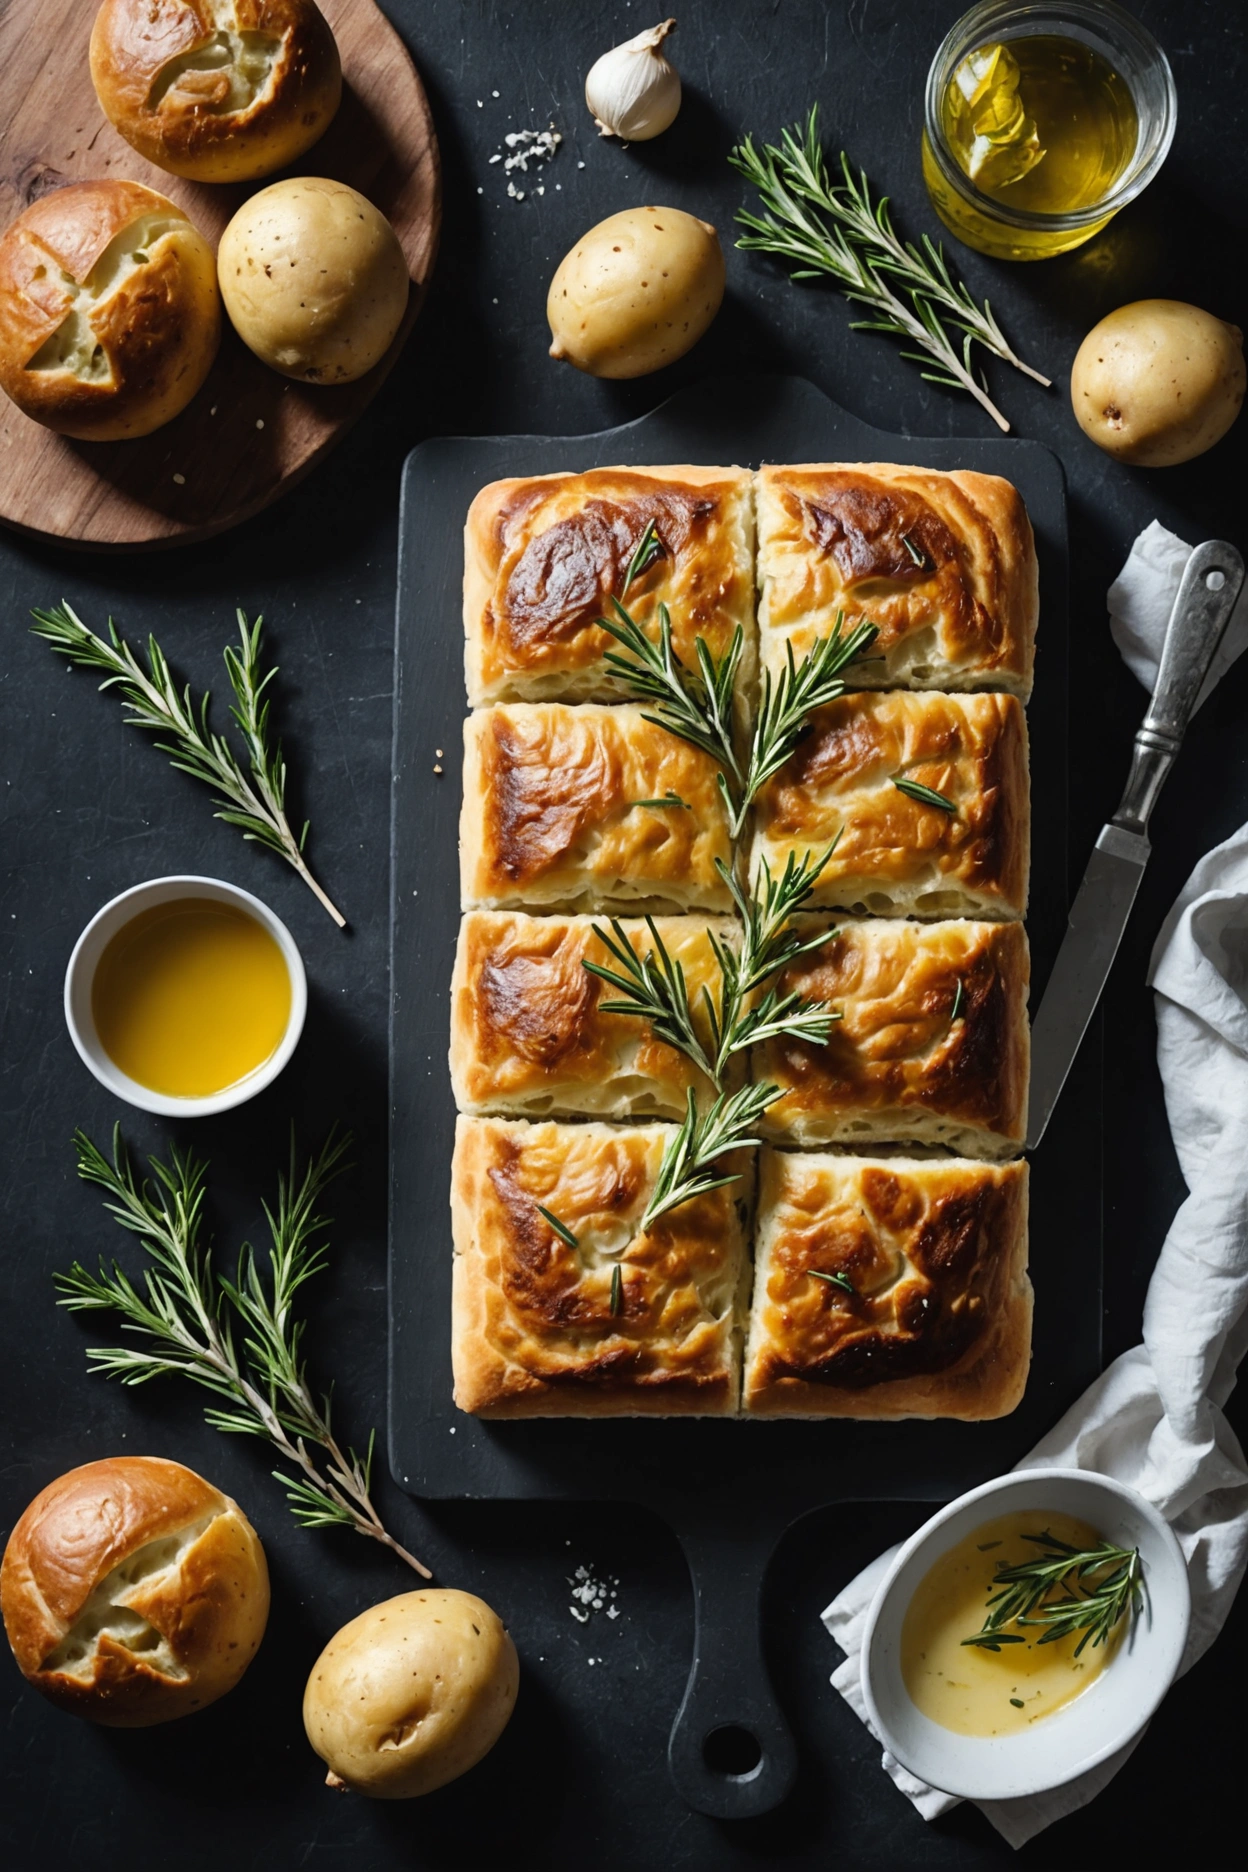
579, 1779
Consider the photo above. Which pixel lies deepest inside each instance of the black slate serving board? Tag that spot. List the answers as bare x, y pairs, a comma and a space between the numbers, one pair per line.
729, 1489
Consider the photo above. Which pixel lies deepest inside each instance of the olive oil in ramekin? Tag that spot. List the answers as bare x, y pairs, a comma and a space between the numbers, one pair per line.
190, 997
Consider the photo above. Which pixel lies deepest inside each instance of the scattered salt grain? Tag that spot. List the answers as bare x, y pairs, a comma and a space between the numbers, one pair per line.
590, 1595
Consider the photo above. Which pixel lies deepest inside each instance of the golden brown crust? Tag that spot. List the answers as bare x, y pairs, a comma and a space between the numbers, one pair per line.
943, 564
533, 1330
125, 347
939, 1320
133, 1591
931, 1044
528, 1034
544, 554
550, 815
216, 90
897, 855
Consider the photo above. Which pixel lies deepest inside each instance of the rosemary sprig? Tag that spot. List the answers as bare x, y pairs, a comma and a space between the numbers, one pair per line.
794, 695
770, 943
257, 805
1093, 1599
822, 227
651, 985
926, 795
690, 1157
696, 708
190, 1317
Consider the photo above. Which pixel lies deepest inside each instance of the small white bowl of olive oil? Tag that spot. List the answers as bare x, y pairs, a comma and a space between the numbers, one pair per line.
1002, 1723
185, 996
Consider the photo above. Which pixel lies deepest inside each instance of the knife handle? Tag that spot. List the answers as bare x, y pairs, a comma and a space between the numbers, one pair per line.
1206, 597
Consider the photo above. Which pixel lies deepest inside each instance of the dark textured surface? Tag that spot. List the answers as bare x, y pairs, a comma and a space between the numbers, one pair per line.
579, 1779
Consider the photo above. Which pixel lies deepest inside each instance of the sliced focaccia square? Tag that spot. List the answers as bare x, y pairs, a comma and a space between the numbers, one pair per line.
944, 565
529, 1035
563, 1303
926, 797
929, 1041
543, 555
888, 1287
588, 808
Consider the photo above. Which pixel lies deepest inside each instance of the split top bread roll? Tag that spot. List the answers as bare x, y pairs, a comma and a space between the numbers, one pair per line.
216, 90
567, 808
936, 1318
943, 564
534, 1331
931, 1044
109, 311
133, 1592
897, 855
528, 1034
544, 555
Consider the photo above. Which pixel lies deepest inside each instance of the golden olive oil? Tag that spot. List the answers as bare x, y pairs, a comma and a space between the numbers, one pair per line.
990, 1693
1041, 124
191, 996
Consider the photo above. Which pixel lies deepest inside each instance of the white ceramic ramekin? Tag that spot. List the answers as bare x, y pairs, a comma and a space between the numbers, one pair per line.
80, 975
1117, 1703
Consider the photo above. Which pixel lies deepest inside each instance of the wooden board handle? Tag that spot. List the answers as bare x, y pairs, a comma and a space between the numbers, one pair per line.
731, 1753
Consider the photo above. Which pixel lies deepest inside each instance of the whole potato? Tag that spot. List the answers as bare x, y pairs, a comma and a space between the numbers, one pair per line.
314, 279
1158, 382
411, 1693
635, 292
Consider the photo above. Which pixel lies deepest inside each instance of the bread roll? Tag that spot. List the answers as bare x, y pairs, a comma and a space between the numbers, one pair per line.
133, 1591
109, 311
216, 90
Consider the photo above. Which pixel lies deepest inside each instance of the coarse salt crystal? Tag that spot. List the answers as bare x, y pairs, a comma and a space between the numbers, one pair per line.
180, 479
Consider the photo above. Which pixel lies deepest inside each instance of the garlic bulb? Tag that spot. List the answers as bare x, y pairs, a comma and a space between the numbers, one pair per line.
632, 91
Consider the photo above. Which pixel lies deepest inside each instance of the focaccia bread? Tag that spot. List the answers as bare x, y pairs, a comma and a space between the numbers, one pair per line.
938, 1322
897, 855
932, 1044
943, 564
551, 815
543, 555
528, 1034
533, 1330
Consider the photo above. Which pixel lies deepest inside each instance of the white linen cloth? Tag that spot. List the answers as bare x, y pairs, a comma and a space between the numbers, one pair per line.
1154, 1418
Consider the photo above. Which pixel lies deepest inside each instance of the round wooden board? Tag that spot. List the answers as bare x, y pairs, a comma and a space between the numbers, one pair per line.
250, 433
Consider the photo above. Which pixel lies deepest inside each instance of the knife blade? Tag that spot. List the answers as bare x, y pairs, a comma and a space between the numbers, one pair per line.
1206, 597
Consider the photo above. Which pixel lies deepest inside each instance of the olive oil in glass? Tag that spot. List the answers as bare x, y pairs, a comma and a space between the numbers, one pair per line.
1034, 136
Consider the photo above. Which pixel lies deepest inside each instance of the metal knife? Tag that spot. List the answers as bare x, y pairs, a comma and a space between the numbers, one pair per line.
1210, 585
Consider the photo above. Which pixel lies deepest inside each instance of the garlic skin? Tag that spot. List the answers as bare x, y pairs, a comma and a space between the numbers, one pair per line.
633, 92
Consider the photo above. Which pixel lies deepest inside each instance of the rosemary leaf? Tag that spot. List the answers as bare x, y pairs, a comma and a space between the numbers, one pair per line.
833, 1280
617, 1290
561, 1228
189, 1319
256, 804
926, 795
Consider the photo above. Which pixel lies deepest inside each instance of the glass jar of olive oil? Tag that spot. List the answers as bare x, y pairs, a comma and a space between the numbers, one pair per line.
1041, 122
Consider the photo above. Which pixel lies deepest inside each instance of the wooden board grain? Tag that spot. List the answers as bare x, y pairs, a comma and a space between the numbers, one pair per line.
250, 433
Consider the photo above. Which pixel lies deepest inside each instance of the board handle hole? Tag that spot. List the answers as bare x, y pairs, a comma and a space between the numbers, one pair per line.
732, 1751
